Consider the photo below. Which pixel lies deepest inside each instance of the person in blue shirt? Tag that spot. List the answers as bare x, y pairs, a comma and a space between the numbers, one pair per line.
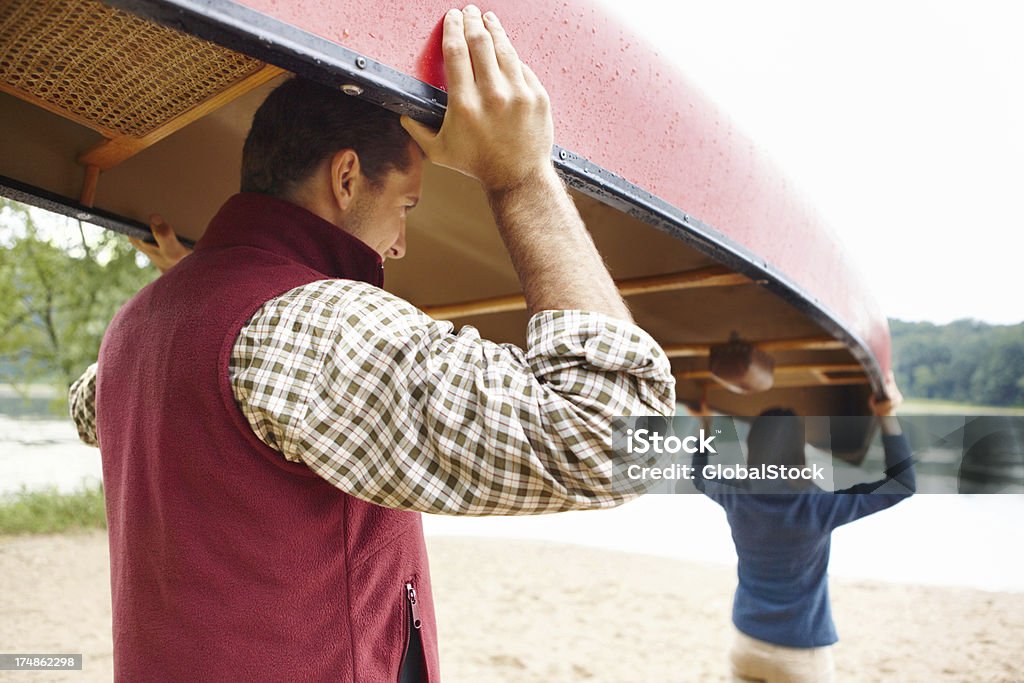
782, 534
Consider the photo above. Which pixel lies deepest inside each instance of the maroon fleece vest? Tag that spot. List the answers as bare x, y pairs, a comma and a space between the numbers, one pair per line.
229, 563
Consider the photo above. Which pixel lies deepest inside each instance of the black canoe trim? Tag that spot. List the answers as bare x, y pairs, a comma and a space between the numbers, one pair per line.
65, 206
272, 41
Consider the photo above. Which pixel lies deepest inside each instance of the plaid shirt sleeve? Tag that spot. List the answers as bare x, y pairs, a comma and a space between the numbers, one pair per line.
82, 405
397, 409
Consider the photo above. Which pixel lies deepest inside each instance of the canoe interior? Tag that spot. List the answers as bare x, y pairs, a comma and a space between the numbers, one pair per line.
190, 165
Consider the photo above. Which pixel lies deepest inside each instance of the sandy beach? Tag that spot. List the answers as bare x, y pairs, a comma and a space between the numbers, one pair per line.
533, 611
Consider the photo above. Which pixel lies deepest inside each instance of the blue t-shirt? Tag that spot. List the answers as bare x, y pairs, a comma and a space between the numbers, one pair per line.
783, 542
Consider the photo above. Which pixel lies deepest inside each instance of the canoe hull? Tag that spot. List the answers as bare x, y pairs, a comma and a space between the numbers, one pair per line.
669, 188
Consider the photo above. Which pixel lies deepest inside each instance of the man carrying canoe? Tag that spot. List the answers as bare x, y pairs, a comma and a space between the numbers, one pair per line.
271, 420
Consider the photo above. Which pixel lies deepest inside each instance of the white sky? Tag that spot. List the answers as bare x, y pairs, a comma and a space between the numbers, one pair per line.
902, 121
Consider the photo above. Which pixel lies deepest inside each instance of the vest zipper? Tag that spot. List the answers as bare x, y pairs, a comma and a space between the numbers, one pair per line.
413, 663
410, 595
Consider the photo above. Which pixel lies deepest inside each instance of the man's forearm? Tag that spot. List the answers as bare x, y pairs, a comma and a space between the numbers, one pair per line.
553, 254
498, 129
890, 425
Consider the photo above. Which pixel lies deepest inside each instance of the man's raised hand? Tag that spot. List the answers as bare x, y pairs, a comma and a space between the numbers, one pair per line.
886, 404
167, 251
498, 126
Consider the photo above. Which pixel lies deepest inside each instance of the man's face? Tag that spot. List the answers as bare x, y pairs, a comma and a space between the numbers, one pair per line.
379, 211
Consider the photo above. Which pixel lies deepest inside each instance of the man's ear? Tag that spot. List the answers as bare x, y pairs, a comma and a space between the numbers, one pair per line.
345, 177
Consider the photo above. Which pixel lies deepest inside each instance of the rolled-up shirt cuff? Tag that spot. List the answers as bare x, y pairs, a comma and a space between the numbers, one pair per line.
564, 340
604, 342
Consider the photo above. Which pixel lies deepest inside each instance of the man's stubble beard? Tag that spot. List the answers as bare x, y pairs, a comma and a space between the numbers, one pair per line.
359, 220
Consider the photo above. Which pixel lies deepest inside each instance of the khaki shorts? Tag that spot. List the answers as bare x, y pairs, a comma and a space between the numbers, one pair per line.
755, 661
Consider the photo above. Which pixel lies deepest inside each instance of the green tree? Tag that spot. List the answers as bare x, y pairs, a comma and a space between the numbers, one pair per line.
995, 381
56, 299
923, 381
966, 361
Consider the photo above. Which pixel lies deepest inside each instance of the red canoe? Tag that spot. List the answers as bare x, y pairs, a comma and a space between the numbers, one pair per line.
112, 114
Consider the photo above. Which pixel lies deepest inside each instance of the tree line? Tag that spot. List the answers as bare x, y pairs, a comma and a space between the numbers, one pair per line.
57, 296
965, 361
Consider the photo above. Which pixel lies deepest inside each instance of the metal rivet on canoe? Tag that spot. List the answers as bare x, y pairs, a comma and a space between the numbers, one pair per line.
351, 89
361, 62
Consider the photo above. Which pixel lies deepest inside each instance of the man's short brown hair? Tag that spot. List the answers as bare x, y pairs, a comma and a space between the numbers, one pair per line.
302, 123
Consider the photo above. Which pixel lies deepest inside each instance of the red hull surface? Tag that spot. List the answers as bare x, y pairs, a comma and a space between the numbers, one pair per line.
623, 107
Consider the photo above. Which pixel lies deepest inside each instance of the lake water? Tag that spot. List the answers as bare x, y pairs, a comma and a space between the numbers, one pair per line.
41, 453
959, 540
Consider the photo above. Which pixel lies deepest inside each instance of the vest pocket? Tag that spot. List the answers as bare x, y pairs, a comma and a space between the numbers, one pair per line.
413, 668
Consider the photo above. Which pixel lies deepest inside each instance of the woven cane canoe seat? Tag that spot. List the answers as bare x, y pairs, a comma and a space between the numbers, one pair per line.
106, 69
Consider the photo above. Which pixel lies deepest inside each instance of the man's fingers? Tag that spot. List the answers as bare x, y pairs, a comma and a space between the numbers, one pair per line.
162, 233
421, 134
148, 249
508, 60
892, 391
879, 406
140, 244
457, 69
497, 127
481, 47
533, 81
895, 397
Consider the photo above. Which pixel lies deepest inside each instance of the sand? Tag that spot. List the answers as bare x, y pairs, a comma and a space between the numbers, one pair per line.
530, 611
